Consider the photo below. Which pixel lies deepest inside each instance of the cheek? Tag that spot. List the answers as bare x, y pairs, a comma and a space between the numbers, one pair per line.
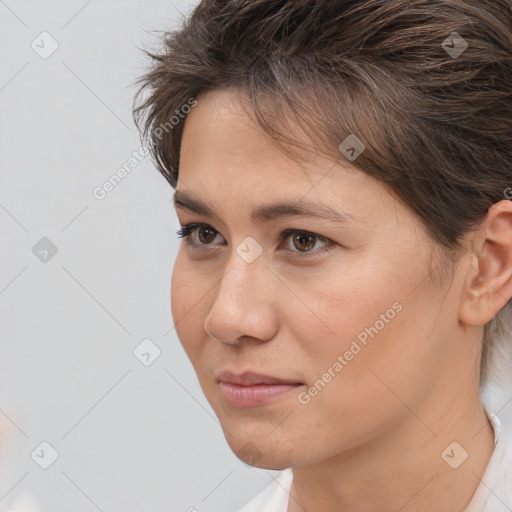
357, 329
180, 297
178, 300
380, 345
341, 308
187, 303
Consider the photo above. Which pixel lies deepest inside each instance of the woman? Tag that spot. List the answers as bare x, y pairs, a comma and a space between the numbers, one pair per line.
343, 289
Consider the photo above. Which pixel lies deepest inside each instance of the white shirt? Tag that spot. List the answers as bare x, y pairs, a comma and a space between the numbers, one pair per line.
494, 493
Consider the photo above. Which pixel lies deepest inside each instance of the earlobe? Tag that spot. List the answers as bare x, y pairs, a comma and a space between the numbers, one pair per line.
488, 285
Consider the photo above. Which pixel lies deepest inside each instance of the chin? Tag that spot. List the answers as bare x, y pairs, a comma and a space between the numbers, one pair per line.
256, 450
271, 466
251, 455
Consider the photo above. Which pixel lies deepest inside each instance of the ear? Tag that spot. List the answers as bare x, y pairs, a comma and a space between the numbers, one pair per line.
488, 285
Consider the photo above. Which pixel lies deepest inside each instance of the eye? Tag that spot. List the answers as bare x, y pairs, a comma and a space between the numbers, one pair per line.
188, 230
304, 241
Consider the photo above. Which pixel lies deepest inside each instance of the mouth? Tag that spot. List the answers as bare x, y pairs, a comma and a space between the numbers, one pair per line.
251, 389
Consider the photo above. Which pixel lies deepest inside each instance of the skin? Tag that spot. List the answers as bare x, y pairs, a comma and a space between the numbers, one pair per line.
372, 439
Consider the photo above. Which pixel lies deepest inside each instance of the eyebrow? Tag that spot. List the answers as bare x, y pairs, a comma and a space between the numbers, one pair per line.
265, 213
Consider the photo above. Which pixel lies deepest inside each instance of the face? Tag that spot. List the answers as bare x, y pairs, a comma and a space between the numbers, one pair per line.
335, 316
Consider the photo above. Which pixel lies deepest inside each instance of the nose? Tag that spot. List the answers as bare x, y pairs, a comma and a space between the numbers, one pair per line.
244, 308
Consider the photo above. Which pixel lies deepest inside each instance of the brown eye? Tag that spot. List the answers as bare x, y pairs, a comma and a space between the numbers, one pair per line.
303, 241
206, 234
304, 244
202, 232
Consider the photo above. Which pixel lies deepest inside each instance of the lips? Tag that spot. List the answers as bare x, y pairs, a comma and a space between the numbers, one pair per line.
251, 389
251, 379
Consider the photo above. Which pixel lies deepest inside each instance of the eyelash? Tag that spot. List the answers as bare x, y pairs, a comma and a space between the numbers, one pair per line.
187, 230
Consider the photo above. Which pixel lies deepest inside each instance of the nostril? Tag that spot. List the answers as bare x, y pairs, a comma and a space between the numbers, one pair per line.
212, 336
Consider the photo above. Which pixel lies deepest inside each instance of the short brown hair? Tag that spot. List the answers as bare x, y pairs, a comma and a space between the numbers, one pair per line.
434, 115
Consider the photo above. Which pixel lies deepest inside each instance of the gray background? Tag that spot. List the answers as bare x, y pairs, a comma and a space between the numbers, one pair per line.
129, 437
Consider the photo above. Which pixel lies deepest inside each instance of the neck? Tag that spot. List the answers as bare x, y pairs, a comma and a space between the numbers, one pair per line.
403, 469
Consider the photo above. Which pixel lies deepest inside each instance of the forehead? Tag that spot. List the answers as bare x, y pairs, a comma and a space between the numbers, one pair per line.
224, 153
